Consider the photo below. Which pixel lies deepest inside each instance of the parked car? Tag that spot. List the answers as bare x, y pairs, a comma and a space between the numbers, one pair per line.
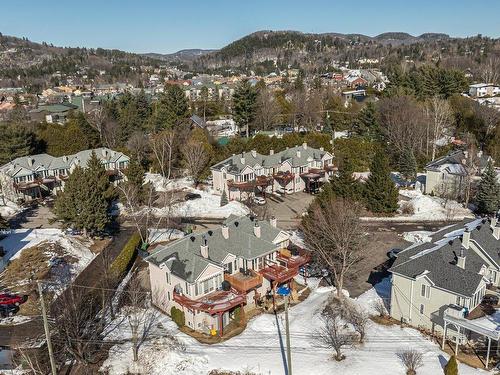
8, 310
12, 299
490, 299
393, 253
191, 196
259, 200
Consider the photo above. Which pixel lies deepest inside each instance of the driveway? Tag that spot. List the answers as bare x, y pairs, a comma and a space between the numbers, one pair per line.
286, 209
34, 217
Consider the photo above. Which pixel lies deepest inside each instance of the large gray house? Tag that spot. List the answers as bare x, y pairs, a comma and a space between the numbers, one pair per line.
29, 177
453, 269
210, 275
294, 169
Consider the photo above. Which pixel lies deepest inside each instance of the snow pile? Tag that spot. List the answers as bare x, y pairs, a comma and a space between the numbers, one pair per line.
207, 206
9, 209
259, 348
418, 236
19, 239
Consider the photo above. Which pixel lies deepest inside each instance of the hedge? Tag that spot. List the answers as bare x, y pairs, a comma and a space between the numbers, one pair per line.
178, 316
126, 258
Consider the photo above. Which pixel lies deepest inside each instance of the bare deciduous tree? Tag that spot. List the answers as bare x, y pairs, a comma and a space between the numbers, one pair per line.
439, 119
411, 359
490, 70
138, 144
333, 231
333, 335
471, 166
489, 116
267, 110
358, 319
196, 158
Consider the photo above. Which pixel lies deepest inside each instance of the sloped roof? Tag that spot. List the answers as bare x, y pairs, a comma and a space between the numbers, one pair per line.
453, 162
183, 257
297, 156
438, 258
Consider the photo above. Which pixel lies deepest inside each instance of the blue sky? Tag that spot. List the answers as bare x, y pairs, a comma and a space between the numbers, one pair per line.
168, 26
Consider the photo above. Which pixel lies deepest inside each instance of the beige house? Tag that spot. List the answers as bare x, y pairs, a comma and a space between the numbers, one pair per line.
30, 177
447, 175
295, 169
210, 275
452, 270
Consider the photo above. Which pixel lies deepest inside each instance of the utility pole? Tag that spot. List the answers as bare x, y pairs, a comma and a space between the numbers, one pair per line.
46, 328
285, 292
287, 329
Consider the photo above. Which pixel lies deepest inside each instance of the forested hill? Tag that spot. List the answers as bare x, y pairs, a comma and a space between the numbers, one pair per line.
20, 57
265, 50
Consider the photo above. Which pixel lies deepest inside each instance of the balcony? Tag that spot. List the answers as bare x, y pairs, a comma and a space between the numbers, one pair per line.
216, 302
294, 257
279, 274
244, 282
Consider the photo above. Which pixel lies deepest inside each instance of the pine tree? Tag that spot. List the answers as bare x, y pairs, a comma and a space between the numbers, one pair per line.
451, 367
408, 165
135, 177
488, 193
244, 105
223, 198
380, 192
366, 124
15, 141
344, 185
86, 197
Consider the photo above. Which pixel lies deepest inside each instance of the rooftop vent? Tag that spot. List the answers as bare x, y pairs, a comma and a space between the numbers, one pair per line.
210, 233
236, 224
192, 238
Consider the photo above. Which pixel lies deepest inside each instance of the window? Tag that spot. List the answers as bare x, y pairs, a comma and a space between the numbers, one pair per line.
422, 309
426, 291
168, 277
168, 295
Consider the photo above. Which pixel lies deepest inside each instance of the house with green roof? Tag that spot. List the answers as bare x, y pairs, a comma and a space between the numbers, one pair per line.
209, 275
300, 168
34, 176
53, 113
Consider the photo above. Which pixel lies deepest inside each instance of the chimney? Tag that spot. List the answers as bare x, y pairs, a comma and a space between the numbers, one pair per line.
254, 153
298, 153
461, 259
104, 152
466, 238
496, 232
322, 149
271, 152
256, 229
65, 159
204, 247
304, 145
242, 159
273, 221
493, 222
225, 231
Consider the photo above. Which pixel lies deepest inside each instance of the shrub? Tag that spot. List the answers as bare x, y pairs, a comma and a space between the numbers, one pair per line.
126, 258
407, 208
178, 316
451, 367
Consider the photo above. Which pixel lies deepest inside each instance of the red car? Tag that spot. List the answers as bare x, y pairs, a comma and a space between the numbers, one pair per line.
12, 299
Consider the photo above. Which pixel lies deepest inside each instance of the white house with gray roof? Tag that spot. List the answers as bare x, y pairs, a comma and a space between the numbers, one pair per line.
447, 175
453, 269
295, 169
29, 177
209, 275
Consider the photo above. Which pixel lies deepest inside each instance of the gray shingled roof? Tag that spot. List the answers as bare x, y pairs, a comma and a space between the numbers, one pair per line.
184, 259
453, 162
44, 161
233, 164
439, 257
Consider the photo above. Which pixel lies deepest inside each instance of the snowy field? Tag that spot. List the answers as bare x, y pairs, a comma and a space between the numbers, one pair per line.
208, 206
9, 209
426, 208
258, 348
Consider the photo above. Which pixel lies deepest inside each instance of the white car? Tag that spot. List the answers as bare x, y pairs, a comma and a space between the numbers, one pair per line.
259, 200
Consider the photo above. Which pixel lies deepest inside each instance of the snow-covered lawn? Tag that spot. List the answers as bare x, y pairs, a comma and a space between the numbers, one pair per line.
9, 209
418, 236
258, 348
208, 206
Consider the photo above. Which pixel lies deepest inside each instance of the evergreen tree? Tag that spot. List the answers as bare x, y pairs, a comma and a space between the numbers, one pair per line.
135, 177
223, 198
3, 223
86, 198
488, 193
171, 108
244, 105
451, 367
15, 141
408, 165
344, 185
380, 192
366, 124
